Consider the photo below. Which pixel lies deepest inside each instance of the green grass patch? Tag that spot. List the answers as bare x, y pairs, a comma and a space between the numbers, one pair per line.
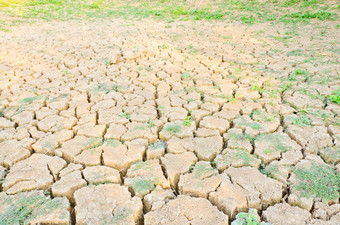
335, 96
320, 181
301, 120
173, 128
248, 12
243, 155
142, 186
27, 207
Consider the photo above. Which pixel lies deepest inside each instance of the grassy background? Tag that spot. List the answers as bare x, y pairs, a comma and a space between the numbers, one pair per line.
245, 11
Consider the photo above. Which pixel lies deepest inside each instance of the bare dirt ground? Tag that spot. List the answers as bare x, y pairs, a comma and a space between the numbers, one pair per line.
190, 122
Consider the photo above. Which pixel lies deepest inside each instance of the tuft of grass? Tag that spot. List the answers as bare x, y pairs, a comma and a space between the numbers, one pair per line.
173, 128
320, 181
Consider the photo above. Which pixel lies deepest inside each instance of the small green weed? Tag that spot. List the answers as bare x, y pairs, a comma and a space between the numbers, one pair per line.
335, 96
297, 72
187, 121
285, 86
150, 123
250, 218
122, 115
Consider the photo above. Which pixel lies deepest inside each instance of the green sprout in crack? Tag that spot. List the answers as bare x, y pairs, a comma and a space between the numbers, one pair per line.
187, 121
321, 181
125, 115
108, 62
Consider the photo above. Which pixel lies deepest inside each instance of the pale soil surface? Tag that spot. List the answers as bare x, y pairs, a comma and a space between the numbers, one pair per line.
94, 116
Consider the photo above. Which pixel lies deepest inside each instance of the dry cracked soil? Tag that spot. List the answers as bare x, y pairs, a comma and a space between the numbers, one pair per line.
144, 122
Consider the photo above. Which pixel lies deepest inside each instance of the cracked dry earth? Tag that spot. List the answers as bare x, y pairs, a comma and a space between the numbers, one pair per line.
94, 121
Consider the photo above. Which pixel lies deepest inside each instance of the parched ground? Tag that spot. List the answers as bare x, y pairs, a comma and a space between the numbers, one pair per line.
119, 121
